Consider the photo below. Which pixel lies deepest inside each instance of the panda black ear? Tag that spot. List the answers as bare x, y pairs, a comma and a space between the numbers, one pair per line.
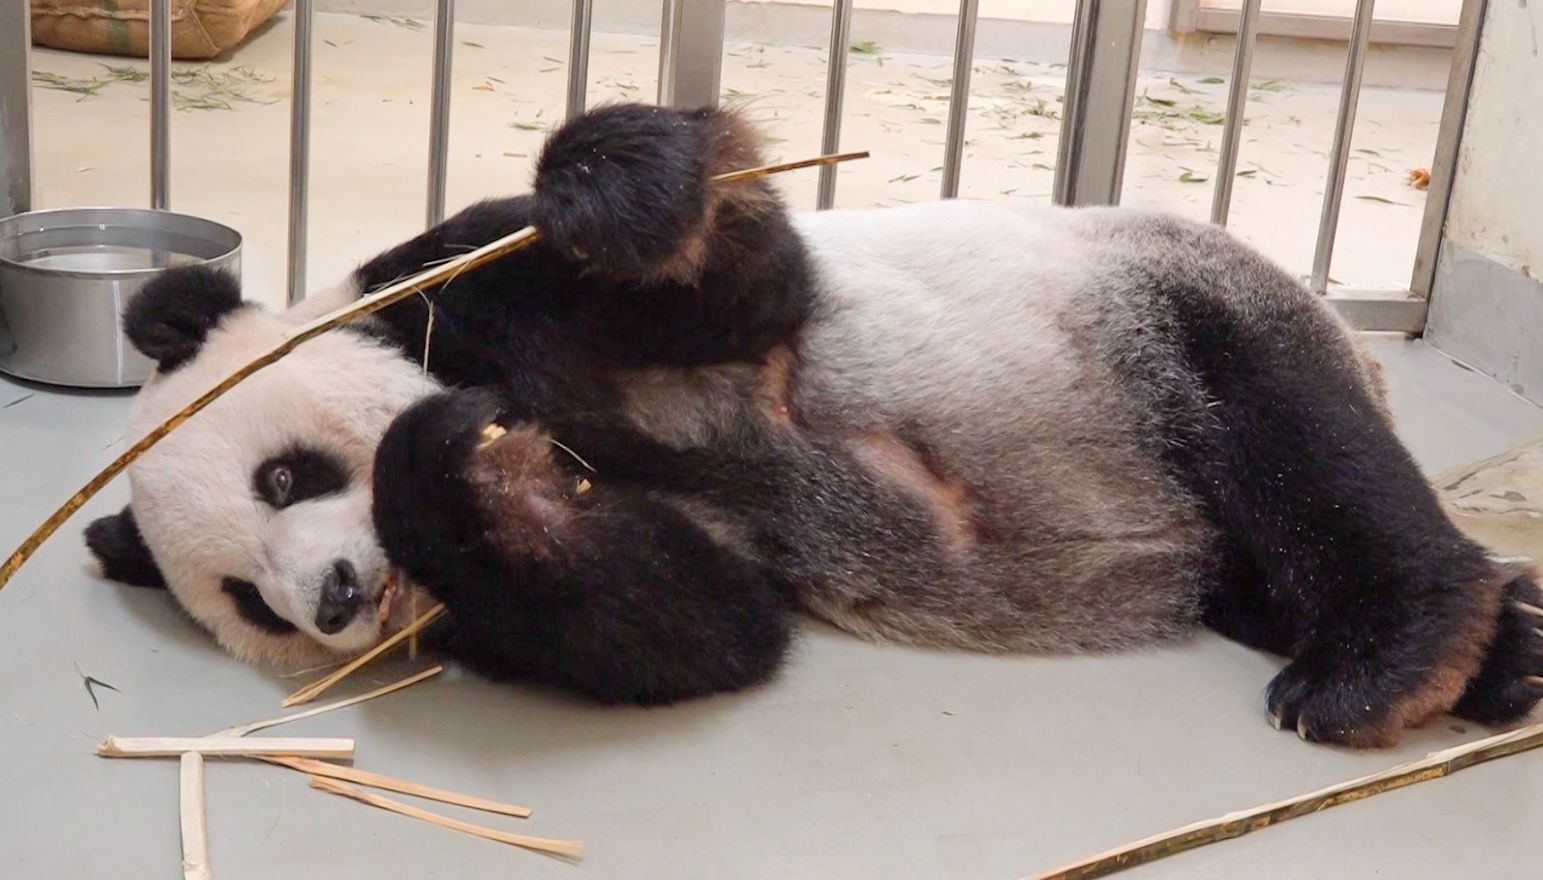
172, 315
118, 546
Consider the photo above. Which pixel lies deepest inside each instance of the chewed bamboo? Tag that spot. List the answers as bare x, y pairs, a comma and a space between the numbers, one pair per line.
364, 306
317, 688
224, 747
571, 849
401, 786
195, 836
254, 726
1432, 766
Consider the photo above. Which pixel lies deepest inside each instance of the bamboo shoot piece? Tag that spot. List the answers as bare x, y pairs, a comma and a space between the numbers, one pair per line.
568, 849
195, 836
401, 786
1432, 766
317, 688
224, 747
254, 726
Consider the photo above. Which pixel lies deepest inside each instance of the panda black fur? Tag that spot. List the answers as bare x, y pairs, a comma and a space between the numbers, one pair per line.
950, 424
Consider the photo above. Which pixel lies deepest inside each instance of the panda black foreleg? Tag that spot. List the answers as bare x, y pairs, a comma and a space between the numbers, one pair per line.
1343, 558
552, 577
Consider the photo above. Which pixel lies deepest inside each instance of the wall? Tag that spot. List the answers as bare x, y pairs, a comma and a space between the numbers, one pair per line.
1487, 305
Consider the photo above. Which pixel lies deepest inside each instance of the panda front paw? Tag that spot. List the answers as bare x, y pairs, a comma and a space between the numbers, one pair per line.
424, 507
624, 188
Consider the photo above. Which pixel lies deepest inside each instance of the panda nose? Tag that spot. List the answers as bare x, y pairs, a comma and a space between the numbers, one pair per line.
340, 597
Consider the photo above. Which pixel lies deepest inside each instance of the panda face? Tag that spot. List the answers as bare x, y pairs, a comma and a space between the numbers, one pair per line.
256, 513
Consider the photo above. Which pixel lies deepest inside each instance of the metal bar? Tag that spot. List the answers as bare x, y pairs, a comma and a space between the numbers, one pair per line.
160, 104
1071, 105
15, 108
439, 110
1443, 170
959, 96
1237, 101
691, 53
299, 149
1100, 89
835, 95
578, 56
1339, 159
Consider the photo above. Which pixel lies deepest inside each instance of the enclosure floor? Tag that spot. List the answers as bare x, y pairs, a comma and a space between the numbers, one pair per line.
369, 140
860, 761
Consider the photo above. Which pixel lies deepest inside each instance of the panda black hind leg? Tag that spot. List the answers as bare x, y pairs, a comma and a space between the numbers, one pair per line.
552, 574
1336, 550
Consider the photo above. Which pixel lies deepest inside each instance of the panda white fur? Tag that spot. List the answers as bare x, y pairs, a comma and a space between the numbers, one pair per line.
949, 424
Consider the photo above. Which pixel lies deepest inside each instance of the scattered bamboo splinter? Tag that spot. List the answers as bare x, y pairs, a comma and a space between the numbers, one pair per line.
254, 726
1432, 766
195, 835
364, 306
400, 786
224, 747
317, 688
570, 849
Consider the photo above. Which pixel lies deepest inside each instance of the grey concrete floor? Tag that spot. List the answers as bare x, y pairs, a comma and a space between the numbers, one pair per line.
861, 761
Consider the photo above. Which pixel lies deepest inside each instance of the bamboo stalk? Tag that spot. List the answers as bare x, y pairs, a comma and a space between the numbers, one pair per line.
364, 306
401, 786
1432, 766
570, 849
223, 747
317, 688
254, 726
195, 835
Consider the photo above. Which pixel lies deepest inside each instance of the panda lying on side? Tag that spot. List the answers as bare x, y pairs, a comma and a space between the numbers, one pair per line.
947, 424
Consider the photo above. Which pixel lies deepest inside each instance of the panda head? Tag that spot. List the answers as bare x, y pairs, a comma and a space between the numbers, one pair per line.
255, 513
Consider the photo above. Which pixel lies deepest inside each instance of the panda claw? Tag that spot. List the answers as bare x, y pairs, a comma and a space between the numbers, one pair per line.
490, 434
1524, 607
1534, 680
1302, 730
1275, 720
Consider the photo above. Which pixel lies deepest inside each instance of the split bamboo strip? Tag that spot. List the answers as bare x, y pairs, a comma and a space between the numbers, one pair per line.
400, 786
367, 305
223, 747
571, 849
253, 727
1432, 766
195, 835
317, 688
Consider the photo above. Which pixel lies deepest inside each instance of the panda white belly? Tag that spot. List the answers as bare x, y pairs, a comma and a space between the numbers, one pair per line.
955, 350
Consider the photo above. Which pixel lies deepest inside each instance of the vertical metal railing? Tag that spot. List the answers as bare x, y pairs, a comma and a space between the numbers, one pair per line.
578, 57
439, 110
299, 149
1100, 93
1339, 159
1237, 101
160, 104
691, 52
1101, 74
959, 96
15, 109
835, 93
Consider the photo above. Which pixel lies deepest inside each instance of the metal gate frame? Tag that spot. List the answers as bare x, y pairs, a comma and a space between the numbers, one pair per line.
1095, 127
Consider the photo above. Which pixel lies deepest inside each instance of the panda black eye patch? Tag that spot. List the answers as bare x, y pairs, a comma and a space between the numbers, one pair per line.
252, 608
296, 475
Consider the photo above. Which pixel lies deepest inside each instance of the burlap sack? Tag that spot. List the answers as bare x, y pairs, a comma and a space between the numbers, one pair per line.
200, 28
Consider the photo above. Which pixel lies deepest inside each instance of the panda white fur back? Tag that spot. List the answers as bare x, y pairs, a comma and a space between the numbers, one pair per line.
951, 424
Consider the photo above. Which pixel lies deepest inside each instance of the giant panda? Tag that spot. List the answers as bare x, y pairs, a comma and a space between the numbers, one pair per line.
626, 457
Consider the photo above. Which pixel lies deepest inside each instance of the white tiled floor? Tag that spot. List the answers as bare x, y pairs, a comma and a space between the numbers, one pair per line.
862, 761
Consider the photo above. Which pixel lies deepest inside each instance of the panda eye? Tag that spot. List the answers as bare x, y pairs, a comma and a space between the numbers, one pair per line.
281, 480
298, 475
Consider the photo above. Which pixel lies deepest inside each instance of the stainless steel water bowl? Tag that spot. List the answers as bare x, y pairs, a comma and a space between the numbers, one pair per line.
66, 274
